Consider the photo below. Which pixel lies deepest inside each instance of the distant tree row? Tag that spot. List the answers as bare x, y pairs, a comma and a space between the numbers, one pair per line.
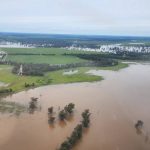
44, 54
122, 55
53, 40
40, 69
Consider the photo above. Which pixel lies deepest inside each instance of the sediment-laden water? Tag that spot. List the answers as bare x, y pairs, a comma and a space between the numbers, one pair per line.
116, 103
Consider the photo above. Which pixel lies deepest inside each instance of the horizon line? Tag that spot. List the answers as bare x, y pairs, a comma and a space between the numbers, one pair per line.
74, 34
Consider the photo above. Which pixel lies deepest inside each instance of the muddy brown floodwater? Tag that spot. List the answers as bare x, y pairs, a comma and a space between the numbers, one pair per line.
116, 103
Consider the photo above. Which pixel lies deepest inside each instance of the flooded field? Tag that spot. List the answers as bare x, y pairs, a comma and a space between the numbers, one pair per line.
116, 103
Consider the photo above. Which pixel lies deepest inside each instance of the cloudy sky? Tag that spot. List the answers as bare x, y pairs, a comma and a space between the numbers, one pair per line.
103, 17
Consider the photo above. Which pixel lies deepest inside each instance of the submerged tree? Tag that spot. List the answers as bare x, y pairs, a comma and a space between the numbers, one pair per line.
139, 124
73, 139
86, 118
51, 118
65, 146
62, 115
69, 108
33, 104
50, 110
77, 132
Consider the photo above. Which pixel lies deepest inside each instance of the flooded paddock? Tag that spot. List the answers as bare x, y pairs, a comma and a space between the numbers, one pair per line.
116, 103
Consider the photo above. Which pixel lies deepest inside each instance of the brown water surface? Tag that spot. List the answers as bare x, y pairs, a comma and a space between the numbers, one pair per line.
116, 103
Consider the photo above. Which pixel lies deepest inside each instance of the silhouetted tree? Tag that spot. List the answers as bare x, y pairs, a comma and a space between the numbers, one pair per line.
62, 115
86, 118
69, 108
50, 110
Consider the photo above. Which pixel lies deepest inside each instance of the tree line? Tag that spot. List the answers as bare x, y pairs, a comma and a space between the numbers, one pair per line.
40, 69
77, 133
122, 55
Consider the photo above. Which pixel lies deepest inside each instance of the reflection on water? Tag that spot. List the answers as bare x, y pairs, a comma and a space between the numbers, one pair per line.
147, 138
116, 104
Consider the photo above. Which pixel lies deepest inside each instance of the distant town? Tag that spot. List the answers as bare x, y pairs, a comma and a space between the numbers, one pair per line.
114, 48
108, 44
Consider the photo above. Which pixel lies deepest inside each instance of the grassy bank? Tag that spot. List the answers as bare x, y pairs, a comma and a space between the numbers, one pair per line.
17, 83
115, 68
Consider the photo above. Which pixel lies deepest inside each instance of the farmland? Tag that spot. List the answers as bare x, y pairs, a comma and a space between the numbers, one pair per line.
40, 55
47, 56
